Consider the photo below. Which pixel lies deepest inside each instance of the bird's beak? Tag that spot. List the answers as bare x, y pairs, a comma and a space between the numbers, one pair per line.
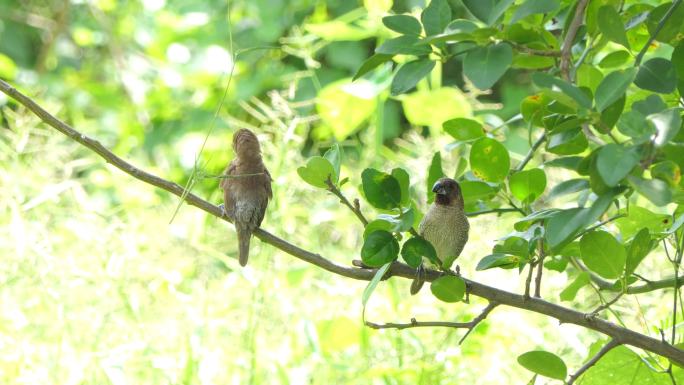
438, 188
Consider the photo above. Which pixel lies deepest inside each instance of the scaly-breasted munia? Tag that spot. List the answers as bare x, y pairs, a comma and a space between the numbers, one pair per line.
445, 224
247, 190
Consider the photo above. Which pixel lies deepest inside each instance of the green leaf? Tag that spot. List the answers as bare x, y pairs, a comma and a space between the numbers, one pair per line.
567, 142
485, 65
527, 185
410, 74
615, 59
638, 250
473, 191
633, 124
402, 177
524, 223
488, 11
379, 248
434, 172
448, 288
589, 77
678, 59
436, 17
639, 217
565, 224
671, 28
613, 86
514, 245
611, 25
531, 7
570, 291
371, 63
405, 45
489, 160
544, 80
566, 162
657, 75
368, 291
615, 161
415, 249
622, 366
667, 171
544, 363
376, 224
498, 260
334, 156
667, 124
404, 24
343, 106
611, 115
381, 190
317, 171
401, 222
569, 186
655, 190
463, 129
603, 254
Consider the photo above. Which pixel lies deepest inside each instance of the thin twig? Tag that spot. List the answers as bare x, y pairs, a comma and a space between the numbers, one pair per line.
531, 152
661, 24
528, 281
605, 349
607, 304
491, 211
397, 269
566, 50
540, 268
490, 306
356, 208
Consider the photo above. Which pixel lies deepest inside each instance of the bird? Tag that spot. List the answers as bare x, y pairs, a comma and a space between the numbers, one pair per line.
445, 224
246, 189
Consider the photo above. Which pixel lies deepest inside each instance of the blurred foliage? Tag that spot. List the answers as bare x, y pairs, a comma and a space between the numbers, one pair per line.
98, 287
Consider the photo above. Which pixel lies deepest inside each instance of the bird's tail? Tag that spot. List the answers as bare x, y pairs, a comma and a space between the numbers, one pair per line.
244, 234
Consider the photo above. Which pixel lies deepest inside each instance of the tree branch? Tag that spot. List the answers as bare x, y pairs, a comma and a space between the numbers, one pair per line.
660, 25
397, 269
605, 349
531, 152
491, 211
356, 208
566, 50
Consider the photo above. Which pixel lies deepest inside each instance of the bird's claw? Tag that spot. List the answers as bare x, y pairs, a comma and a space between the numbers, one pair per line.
418, 280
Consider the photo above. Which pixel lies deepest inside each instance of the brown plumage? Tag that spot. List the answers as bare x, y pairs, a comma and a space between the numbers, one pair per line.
445, 224
245, 195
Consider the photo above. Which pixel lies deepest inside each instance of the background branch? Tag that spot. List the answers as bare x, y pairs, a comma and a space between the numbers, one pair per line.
566, 50
397, 269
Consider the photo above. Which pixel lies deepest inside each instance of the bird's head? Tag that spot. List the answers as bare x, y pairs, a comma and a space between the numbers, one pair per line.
246, 144
448, 193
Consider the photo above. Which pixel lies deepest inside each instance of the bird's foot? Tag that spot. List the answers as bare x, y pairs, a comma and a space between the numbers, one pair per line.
418, 280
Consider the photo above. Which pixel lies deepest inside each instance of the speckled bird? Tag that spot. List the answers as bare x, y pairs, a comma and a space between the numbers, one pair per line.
445, 224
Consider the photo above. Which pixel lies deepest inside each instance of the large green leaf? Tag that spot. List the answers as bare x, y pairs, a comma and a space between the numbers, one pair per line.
527, 185
473, 191
379, 248
435, 17
488, 11
402, 176
622, 366
638, 218
381, 190
566, 187
404, 24
611, 25
613, 87
667, 124
531, 7
603, 254
489, 160
317, 171
485, 65
657, 75
570, 291
410, 74
615, 161
564, 225
638, 249
448, 288
544, 363
655, 190
415, 249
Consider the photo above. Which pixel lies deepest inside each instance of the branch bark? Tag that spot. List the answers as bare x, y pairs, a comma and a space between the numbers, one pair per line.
397, 269
566, 50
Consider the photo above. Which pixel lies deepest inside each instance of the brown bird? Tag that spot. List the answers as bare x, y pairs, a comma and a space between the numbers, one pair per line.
247, 190
445, 224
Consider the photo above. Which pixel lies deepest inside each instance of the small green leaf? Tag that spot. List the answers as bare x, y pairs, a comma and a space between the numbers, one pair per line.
435, 17
489, 160
569, 186
448, 288
544, 80
484, 66
655, 190
615, 161
401, 222
544, 363
381, 190
402, 177
678, 59
410, 74
434, 172
567, 142
473, 191
667, 124
379, 248
603, 254
570, 291
639, 217
488, 11
498, 260
317, 170
405, 45
667, 171
524, 223
531, 7
514, 245
615, 59
415, 249
657, 75
334, 156
611, 115
613, 87
527, 185
463, 129
376, 224
633, 124
368, 291
566, 162
638, 250
404, 24
611, 25
371, 63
